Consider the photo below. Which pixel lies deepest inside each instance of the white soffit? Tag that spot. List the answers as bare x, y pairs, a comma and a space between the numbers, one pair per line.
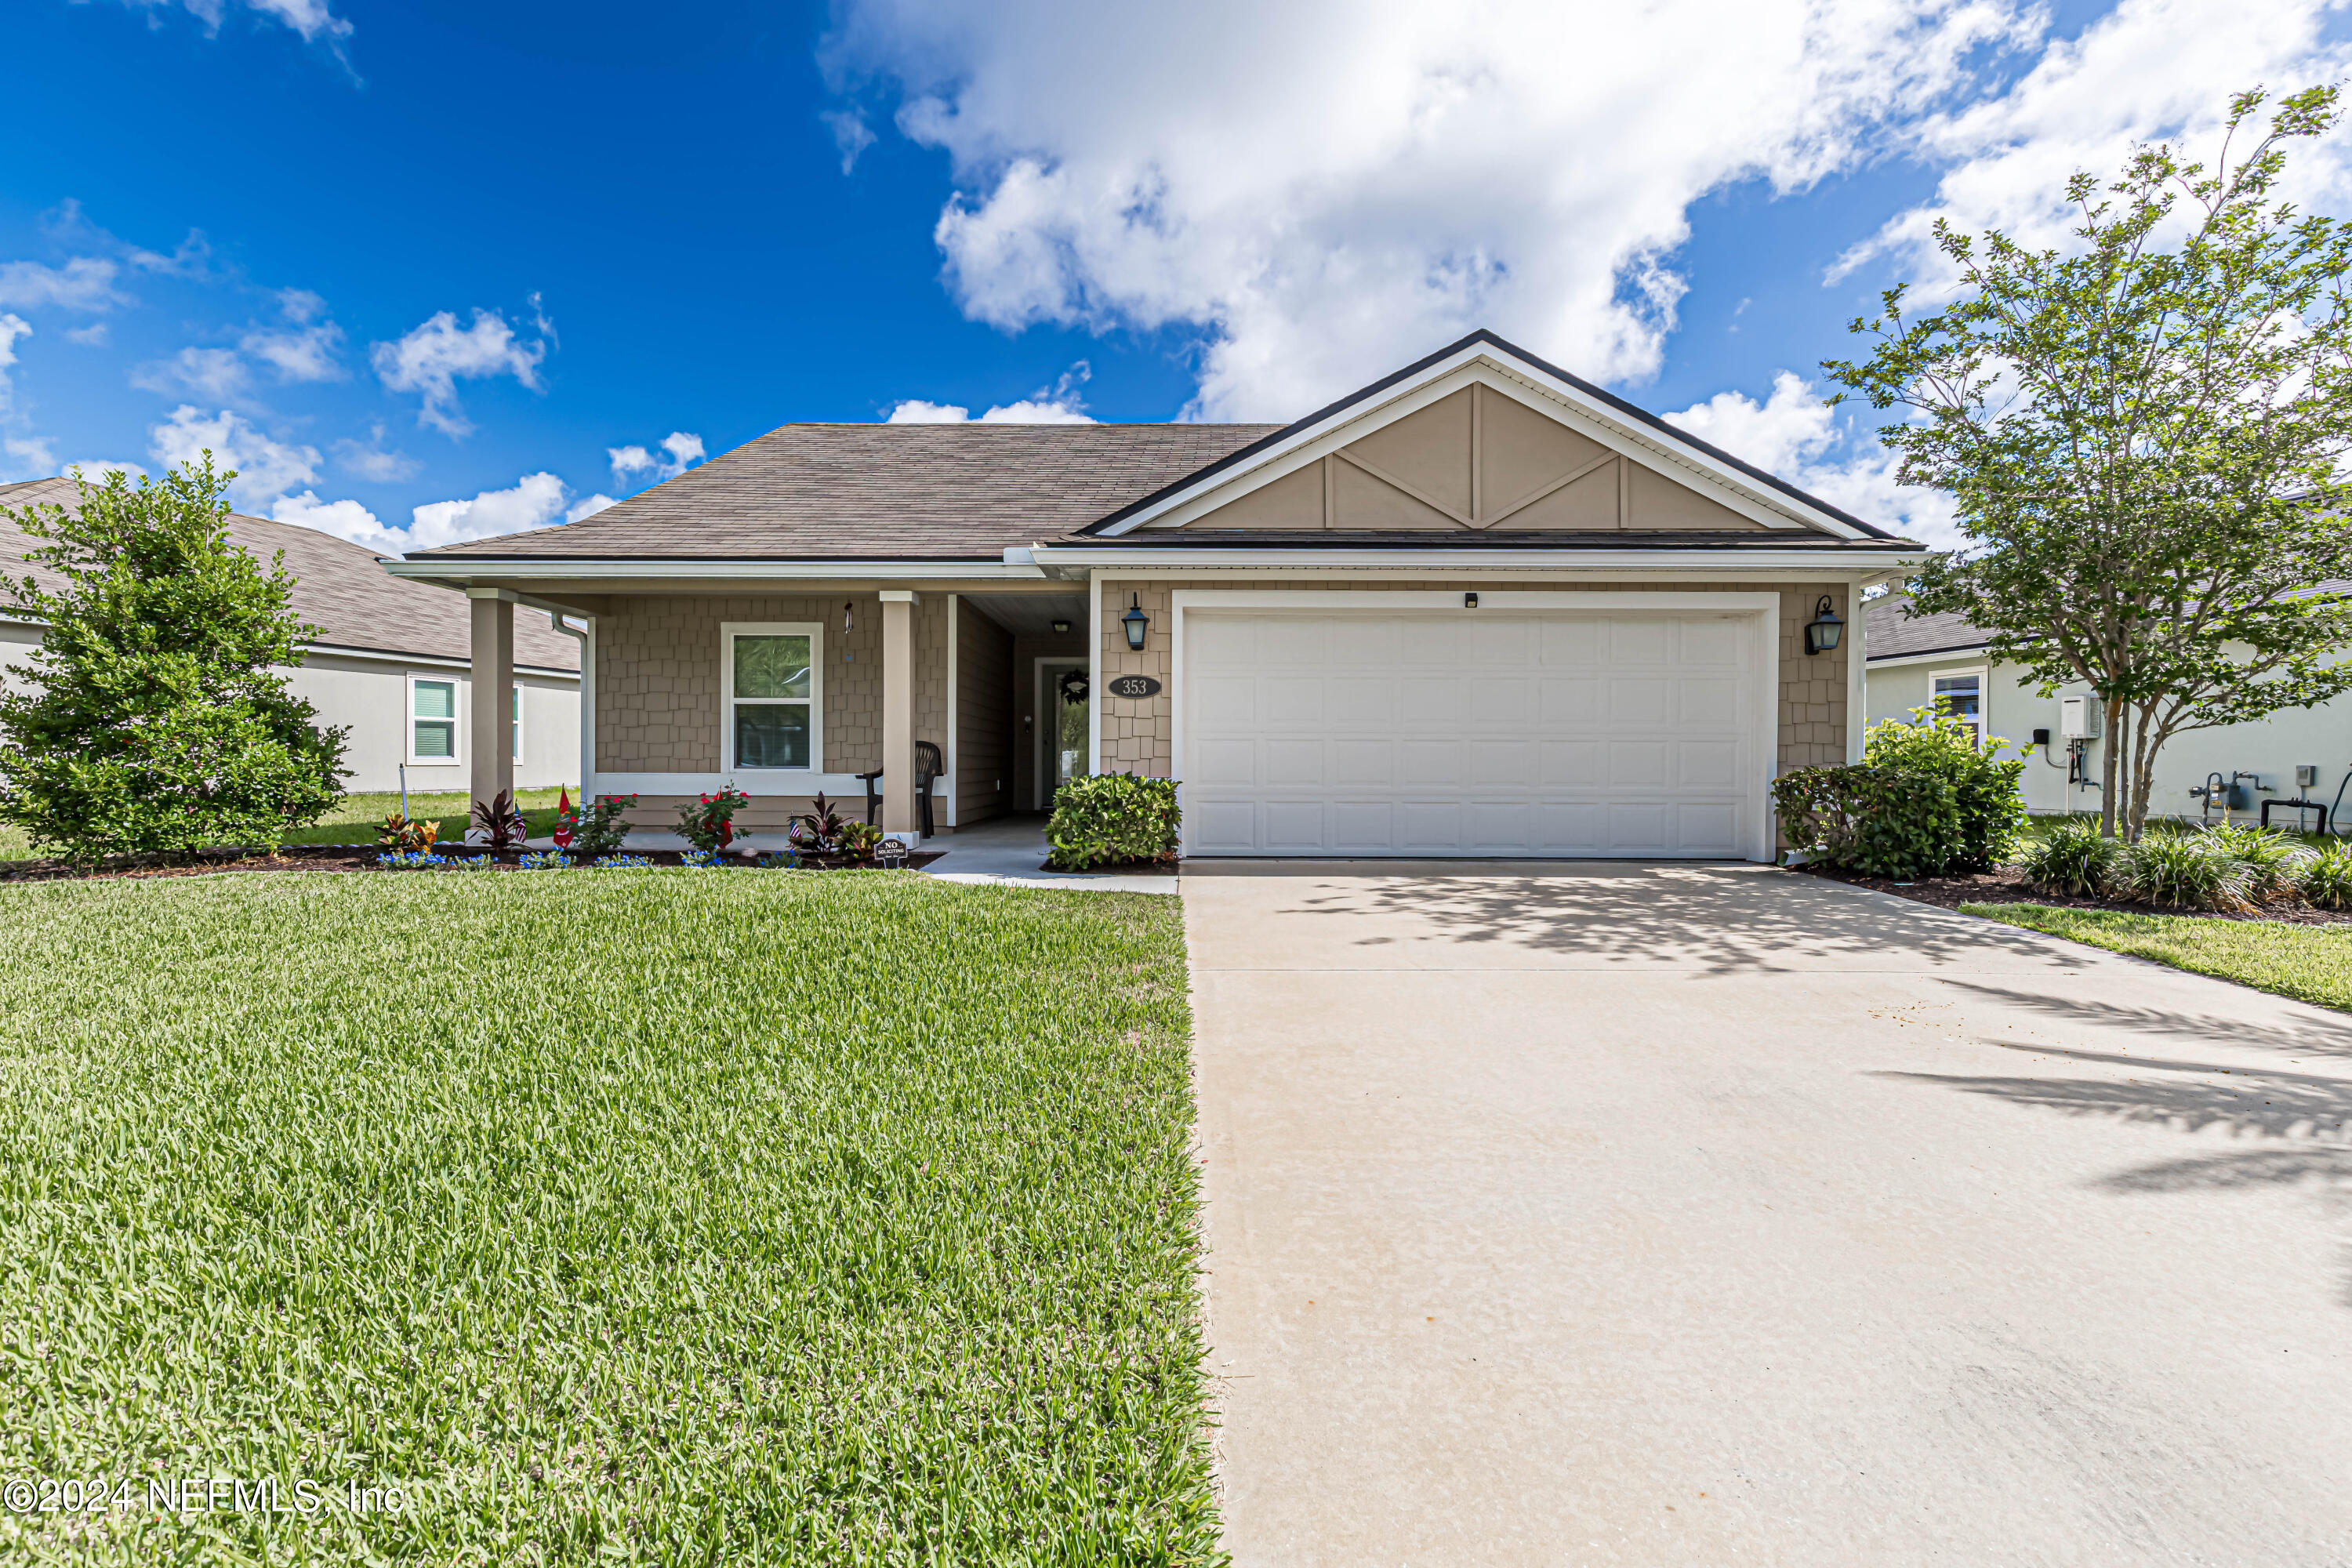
1509, 377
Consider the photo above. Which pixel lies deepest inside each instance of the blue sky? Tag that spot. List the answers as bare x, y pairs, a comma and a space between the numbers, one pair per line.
403, 256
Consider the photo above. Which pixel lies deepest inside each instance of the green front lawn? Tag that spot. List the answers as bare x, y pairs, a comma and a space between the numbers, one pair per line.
708, 1217
2310, 962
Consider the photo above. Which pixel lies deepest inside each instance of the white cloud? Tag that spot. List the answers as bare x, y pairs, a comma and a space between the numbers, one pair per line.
266, 469
369, 459
434, 357
311, 18
851, 135
90, 337
1350, 192
11, 328
1797, 436
215, 374
83, 283
1028, 411
95, 470
300, 353
534, 501
26, 457
2147, 70
685, 451
343, 519
588, 506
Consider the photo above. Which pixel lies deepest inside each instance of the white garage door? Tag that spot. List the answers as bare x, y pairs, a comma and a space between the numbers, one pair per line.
1473, 732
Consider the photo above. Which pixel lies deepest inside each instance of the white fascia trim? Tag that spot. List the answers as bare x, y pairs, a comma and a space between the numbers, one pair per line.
1452, 561
768, 782
776, 571
1589, 417
1950, 655
436, 662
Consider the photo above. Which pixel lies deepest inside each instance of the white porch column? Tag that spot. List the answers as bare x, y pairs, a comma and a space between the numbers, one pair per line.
493, 685
899, 711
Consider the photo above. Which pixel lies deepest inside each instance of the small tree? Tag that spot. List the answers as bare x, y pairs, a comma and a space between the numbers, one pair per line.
2143, 438
159, 721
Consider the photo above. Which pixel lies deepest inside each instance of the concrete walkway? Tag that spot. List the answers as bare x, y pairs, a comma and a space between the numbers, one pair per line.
1620, 1214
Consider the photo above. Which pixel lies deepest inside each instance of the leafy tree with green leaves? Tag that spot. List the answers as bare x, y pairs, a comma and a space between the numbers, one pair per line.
2142, 433
159, 721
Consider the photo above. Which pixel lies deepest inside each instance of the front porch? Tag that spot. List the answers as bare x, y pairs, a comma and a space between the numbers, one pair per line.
806, 689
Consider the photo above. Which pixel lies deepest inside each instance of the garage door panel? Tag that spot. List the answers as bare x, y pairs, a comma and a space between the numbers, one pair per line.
1222, 763
1507, 764
1637, 765
1569, 703
1502, 700
1421, 764
1711, 642
1311, 732
1706, 764
1363, 825
1571, 764
1294, 763
1639, 703
1501, 827
1428, 825
1709, 702
1294, 825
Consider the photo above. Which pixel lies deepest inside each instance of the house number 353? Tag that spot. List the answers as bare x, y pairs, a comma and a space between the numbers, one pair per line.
1133, 686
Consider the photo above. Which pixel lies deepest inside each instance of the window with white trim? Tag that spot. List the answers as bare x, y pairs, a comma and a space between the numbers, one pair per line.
432, 720
775, 698
1959, 694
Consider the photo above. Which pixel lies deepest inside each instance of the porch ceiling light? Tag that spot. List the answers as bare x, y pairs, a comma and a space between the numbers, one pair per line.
848, 617
1136, 622
1822, 633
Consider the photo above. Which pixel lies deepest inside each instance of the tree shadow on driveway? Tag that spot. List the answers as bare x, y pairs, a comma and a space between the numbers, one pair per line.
2298, 1122
1722, 918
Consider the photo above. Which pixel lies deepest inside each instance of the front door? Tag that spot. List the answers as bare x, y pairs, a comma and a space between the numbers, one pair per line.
1061, 698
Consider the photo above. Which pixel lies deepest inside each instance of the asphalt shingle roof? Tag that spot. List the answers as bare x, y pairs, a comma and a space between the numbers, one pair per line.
339, 587
1890, 631
878, 491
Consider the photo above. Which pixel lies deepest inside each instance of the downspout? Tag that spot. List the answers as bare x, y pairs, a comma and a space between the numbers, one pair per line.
586, 636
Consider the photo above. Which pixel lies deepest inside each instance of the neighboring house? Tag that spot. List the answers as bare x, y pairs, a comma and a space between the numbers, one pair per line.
391, 660
1480, 607
1915, 661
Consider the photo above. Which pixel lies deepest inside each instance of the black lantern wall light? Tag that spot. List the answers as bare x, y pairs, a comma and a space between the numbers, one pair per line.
1822, 633
1136, 622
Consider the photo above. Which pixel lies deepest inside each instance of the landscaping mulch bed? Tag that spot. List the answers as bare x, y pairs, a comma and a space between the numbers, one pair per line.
327, 857
2008, 886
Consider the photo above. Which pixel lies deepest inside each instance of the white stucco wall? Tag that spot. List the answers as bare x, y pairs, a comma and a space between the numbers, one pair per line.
2320, 737
370, 696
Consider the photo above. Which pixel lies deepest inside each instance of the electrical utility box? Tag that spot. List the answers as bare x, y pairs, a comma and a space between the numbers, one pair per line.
2078, 718
2306, 775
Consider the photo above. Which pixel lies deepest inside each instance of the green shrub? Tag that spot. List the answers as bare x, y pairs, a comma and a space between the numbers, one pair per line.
2325, 879
2272, 860
1878, 820
157, 717
598, 826
1984, 787
2075, 861
2183, 872
1104, 820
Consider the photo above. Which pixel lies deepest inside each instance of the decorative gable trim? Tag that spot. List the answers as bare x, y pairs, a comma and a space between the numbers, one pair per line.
1627, 435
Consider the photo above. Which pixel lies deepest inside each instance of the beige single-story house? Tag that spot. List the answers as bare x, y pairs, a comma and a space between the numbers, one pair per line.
391, 662
1480, 607
1918, 661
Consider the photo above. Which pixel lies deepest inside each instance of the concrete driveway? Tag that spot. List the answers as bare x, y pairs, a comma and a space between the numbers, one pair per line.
1645, 1213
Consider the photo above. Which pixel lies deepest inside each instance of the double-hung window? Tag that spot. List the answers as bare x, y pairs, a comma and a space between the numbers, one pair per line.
1960, 695
775, 679
432, 720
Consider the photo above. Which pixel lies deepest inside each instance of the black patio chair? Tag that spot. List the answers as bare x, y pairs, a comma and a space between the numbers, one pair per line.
928, 766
